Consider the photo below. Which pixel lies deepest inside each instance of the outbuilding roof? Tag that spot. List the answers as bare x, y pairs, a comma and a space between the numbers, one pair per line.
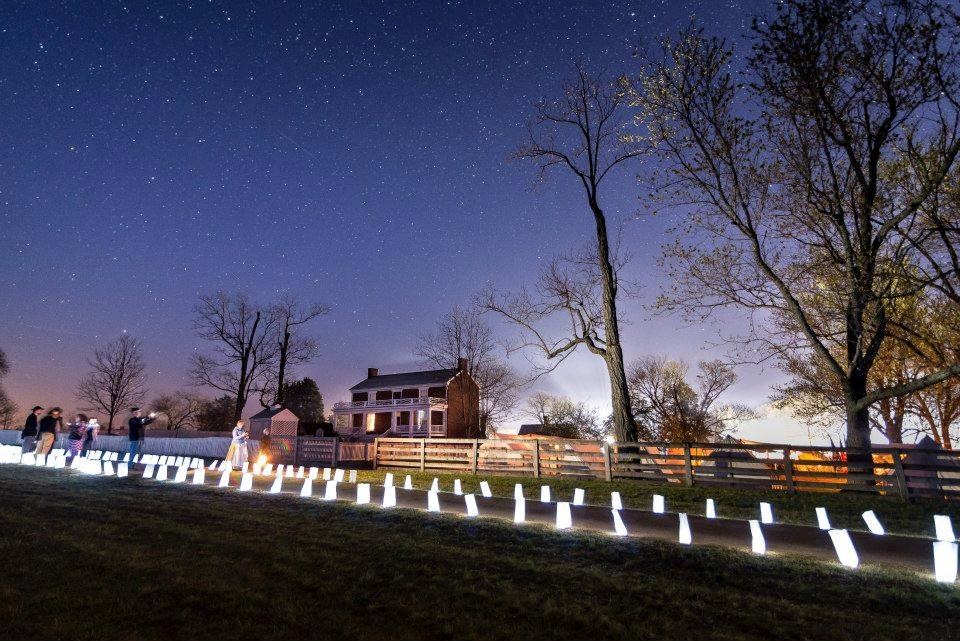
270, 412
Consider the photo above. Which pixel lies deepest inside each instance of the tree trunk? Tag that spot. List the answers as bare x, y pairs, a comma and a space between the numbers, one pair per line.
859, 452
624, 425
282, 367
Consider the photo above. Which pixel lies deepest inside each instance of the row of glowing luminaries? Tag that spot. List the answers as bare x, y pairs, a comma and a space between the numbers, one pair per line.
945, 548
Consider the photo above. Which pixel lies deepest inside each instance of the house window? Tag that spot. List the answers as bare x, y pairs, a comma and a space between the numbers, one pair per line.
437, 392
410, 393
396, 395
359, 396
436, 417
384, 395
358, 420
403, 418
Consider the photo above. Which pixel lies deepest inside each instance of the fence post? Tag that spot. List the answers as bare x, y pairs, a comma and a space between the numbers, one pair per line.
336, 452
376, 450
476, 454
687, 465
901, 476
536, 458
296, 450
607, 466
423, 454
788, 470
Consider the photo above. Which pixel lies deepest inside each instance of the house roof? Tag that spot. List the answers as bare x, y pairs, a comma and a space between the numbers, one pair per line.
433, 377
530, 428
270, 412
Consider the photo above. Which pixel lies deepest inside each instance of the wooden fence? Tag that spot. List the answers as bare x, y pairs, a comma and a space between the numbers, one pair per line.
904, 471
319, 450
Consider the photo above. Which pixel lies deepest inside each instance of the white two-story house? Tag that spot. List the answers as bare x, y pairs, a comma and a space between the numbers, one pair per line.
429, 404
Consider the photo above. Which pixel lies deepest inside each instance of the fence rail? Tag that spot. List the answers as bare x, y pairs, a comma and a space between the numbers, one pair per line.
906, 471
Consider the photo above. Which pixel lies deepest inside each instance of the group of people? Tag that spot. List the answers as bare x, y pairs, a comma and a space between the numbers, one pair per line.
39, 434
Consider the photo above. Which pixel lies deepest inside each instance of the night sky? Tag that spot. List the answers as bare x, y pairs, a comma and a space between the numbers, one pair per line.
355, 154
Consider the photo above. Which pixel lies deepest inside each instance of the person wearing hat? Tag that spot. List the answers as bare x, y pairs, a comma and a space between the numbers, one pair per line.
30, 430
137, 431
49, 426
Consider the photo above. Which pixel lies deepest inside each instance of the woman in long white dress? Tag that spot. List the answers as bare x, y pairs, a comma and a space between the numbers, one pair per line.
239, 445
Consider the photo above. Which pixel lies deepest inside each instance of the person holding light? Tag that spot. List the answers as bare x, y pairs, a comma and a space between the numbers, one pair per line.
137, 431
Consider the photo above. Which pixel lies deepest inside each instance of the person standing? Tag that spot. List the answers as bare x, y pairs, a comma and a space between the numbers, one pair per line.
77, 434
137, 431
239, 445
30, 430
50, 425
90, 439
263, 455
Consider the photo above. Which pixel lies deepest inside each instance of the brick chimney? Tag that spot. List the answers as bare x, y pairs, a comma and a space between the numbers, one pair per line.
372, 372
462, 365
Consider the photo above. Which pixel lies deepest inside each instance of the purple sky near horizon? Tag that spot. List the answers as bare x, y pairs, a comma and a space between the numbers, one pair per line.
354, 154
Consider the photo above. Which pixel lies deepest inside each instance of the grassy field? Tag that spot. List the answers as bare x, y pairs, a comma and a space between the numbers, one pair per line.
844, 509
94, 558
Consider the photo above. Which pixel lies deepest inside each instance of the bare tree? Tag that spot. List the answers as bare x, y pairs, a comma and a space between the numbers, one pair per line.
244, 346
581, 133
462, 334
560, 416
567, 295
292, 347
179, 410
670, 408
117, 378
803, 171
8, 409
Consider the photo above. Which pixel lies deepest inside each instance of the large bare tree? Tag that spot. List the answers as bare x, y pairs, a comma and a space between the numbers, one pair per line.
8, 409
462, 334
672, 408
117, 378
179, 410
581, 133
293, 348
803, 169
243, 337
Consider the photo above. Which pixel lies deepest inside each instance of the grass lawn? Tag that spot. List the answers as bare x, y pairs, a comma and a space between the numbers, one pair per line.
94, 558
844, 509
